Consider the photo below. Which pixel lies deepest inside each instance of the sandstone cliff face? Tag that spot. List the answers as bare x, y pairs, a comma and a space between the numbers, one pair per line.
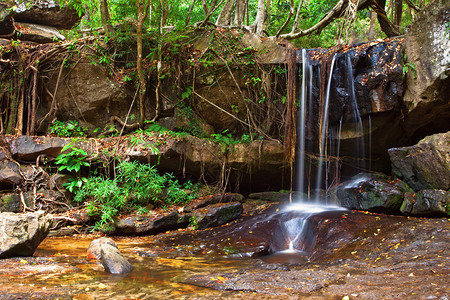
427, 47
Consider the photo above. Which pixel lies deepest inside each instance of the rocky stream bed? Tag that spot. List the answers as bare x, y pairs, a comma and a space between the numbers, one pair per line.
355, 255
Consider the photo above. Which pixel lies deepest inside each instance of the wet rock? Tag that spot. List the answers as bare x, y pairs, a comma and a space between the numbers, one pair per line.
372, 192
106, 250
9, 174
20, 234
113, 261
426, 203
425, 165
427, 45
142, 225
46, 12
94, 250
225, 198
217, 214
10, 202
38, 33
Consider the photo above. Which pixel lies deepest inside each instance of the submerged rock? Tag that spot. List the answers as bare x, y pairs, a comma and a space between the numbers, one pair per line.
426, 202
372, 192
21, 234
425, 165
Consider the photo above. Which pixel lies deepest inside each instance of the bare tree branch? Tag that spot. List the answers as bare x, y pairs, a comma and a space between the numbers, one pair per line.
291, 13
335, 12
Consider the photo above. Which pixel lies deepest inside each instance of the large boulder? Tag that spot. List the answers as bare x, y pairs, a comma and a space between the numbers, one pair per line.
217, 214
425, 165
426, 203
9, 174
427, 48
21, 234
372, 192
144, 225
38, 33
88, 94
28, 148
10, 202
106, 250
46, 12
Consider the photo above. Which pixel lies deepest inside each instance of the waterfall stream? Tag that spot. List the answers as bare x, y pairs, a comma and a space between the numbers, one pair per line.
295, 234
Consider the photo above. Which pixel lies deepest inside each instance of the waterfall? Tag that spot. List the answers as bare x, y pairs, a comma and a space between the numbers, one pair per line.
324, 130
295, 234
302, 123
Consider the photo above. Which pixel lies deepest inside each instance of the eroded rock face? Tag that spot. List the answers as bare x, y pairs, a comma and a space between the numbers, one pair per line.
88, 95
427, 46
425, 165
21, 234
46, 12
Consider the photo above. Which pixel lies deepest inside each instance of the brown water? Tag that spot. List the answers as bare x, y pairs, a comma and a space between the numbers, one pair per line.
59, 270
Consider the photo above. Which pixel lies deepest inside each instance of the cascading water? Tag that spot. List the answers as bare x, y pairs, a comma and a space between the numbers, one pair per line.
294, 234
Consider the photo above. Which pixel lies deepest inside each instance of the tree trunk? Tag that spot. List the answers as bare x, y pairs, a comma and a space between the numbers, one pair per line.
258, 25
141, 15
398, 12
239, 13
225, 15
106, 19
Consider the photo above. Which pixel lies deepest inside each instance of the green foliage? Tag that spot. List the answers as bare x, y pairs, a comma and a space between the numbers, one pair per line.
193, 222
135, 185
409, 67
68, 129
74, 183
73, 160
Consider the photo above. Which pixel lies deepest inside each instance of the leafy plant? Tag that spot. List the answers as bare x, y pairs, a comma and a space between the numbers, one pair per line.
68, 129
409, 67
136, 184
72, 161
